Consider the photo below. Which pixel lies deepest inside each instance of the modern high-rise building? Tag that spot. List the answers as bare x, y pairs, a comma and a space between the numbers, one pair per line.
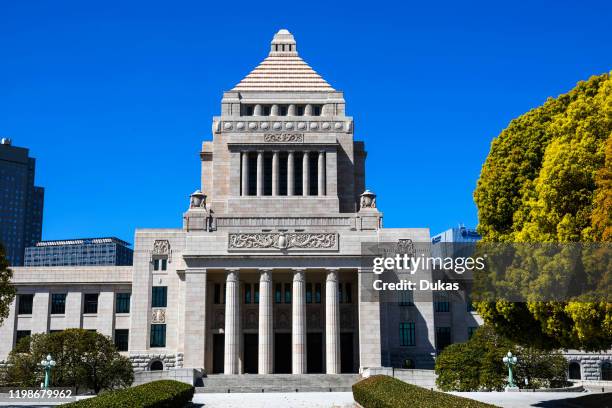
80, 252
21, 203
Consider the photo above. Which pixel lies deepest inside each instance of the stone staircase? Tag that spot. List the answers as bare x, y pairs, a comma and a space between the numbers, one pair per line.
277, 383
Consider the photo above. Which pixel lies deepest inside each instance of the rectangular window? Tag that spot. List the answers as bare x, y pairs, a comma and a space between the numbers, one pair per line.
316, 110
265, 110
277, 293
158, 335
90, 303
256, 289
299, 110
25, 304
58, 303
160, 264
121, 339
406, 298
122, 302
282, 110
443, 337
407, 337
317, 293
159, 296
340, 293
156, 264
442, 303
217, 294
164, 264
247, 293
287, 293
309, 293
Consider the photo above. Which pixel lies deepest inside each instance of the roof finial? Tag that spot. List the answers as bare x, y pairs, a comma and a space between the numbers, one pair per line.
283, 43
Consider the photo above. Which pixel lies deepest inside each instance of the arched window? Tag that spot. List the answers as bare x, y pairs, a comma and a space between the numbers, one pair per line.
606, 371
156, 366
574, 370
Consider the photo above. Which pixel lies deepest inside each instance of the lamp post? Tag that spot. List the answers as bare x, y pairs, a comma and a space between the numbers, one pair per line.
510, 361
47, 365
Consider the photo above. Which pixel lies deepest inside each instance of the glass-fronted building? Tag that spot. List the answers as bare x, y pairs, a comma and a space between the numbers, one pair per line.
80, 252
21, 203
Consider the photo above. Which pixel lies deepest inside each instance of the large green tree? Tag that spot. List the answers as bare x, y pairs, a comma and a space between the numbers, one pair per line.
7, 290
85, 360
477, 364
548, 179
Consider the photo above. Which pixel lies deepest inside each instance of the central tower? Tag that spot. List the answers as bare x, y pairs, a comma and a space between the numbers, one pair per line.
283, 144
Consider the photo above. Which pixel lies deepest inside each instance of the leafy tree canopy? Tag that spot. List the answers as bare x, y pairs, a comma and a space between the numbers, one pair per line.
548, 178
477, 364
85, 360
7, 291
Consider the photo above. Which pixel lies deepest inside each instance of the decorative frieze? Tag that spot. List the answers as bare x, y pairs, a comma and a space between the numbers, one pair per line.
161, 247
281, 240
142, 361
258, 126
284, 137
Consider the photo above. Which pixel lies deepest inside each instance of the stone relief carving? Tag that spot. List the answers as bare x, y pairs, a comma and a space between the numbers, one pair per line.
283, 320
158, 316
161, 247
219, 320
197, 200
280, 240
405, 246
284, 137
314, 319
251, 320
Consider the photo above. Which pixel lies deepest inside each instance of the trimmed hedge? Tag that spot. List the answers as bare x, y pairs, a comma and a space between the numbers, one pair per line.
381, 391
156, 394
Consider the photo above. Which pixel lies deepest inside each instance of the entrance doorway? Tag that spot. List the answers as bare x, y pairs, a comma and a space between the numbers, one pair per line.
346, 353
282, 353
218, 353
251, 350
314, 353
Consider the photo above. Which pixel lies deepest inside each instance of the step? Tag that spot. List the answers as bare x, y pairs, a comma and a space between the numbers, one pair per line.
278, 383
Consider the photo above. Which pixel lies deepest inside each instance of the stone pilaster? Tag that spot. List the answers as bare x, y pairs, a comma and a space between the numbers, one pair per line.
321, 174
232, 321
40, 313
290, 173
332, 323
266, 328
106, 313
245, 174
8, 331
260, 173
298, 332
195, 318
74, 310
275, 173
305, 174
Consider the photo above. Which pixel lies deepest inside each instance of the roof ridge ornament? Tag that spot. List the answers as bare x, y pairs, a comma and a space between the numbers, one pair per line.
283, 44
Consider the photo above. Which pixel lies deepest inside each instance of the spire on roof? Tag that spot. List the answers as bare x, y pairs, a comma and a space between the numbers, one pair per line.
283, 70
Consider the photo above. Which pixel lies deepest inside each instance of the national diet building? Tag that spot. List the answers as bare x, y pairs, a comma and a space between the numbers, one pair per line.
265, 276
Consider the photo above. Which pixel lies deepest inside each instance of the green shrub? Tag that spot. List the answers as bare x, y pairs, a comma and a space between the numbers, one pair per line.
381, 391
157, 394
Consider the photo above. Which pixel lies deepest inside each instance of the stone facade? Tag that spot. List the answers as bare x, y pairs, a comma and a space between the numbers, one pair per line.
265, 276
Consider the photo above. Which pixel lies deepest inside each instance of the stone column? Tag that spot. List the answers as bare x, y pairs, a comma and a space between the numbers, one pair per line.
245, 173
106, 313
275, 173
290, 173
291, 110
257, 110
298, 331
308, 110
266, 327
321, 173
232, 321
274, 110
260, 173
305, 175
332, 323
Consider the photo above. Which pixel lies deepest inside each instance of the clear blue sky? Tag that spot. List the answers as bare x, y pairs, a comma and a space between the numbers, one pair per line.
114, 99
